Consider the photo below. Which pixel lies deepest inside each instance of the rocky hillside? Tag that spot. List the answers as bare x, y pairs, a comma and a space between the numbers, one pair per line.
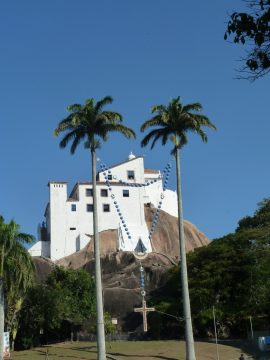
120, 270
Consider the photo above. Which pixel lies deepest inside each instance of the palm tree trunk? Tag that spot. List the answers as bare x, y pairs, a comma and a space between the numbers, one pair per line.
2, 317
190, 352
99, 298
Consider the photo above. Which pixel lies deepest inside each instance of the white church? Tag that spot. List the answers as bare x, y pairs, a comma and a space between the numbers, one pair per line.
122, 192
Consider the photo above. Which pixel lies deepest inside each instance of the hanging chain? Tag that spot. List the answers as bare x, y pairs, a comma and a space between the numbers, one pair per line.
165, 173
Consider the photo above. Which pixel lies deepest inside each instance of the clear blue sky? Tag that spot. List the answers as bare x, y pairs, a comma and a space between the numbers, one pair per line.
55, 53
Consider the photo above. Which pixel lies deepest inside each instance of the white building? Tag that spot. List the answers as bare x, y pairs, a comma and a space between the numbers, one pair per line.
122, 192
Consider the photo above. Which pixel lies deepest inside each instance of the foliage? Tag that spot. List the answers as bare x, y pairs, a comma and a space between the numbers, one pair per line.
60, 306
16, 271
91, 123
173, 122
253, 28
232, 274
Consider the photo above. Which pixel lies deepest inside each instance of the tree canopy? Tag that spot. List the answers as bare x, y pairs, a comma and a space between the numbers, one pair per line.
91, 123
232, 274
56, 308
252, 29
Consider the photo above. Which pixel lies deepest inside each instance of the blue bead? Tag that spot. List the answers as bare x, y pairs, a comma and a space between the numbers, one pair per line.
109, 172
110, 188
115, 202
129, 237
104, 173
121, 217
116, 206
118, 210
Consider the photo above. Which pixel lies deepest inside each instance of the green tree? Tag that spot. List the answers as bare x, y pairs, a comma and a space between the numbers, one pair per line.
252, 28
231, 273
16, 267
61, 305
173, 122
92, 124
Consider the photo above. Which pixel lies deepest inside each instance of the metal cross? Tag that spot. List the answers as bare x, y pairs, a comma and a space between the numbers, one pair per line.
144, 310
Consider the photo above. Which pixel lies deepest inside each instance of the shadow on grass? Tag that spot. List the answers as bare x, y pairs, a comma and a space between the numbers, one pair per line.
142, 356
244, 346
93, 349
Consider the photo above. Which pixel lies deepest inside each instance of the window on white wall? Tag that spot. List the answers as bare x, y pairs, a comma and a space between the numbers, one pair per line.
104, 192
109, 176
89, 207
88, 192
131, 175
125, 193
73, 207
106, 207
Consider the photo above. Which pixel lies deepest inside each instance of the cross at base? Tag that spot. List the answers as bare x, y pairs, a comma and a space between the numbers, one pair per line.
144, 310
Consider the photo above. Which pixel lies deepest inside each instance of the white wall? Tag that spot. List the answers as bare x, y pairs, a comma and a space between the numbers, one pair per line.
70, 230
58, 219
120, 171
40, 248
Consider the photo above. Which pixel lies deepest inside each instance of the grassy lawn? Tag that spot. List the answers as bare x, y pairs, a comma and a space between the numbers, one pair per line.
130, 350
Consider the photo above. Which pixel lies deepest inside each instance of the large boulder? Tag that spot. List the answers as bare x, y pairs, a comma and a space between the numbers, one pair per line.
165, 240
121, 270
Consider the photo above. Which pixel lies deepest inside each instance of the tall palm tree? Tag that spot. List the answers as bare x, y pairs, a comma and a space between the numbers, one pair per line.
173, 122
20, 269
89, 122
16, 267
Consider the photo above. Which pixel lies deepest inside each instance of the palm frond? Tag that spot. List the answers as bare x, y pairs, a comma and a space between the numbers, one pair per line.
204, 121
64, 124
202, 134
152, 135
89, 103
77, 139
109, 117
101, 103
124, 130
158, 108
154, 121
192, 107
74, 108
26, 238
68, 137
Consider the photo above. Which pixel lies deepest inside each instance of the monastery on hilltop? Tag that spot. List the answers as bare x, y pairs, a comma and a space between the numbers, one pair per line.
122, 192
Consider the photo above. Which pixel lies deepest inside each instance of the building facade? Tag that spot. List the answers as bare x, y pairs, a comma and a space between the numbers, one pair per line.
122, 192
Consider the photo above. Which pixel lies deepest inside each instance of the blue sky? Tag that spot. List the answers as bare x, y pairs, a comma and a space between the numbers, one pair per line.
55, 53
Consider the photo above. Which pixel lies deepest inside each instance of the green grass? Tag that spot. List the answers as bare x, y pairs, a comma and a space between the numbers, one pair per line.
129, 350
